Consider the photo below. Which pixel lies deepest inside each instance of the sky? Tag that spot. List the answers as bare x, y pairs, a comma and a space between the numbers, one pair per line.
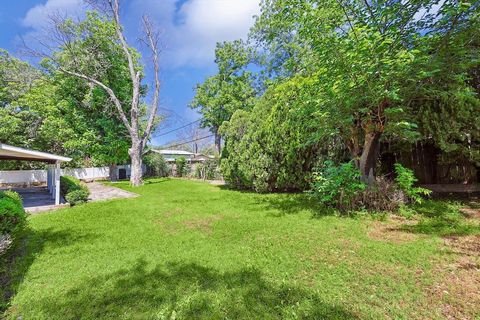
190, 29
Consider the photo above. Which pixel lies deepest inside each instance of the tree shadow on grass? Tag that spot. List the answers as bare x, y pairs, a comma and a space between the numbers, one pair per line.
186, 291
15, 263
150, 181
295, 203
441, 218
286, 203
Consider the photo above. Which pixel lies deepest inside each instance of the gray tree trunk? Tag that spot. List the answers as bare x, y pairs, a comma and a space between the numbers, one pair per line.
368, 159
218, 142
136, 163
113, 172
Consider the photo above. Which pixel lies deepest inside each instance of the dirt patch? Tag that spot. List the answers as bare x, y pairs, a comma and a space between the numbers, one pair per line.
465, 246
390, 231
458, 291
202, 224
471, 213
169, 214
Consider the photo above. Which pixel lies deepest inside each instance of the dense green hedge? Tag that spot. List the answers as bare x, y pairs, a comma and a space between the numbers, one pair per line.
73, 190
12, 215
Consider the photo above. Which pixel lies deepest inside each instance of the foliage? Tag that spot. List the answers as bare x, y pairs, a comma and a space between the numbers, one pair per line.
77, 196
207, 170
231, 89
377, 66
337, 185
156, 165
181, 167
52, 112
74, 190
405, 179
274, 146
176, 268
12, 215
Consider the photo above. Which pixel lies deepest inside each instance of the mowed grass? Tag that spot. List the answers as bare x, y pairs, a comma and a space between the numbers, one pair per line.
185, 249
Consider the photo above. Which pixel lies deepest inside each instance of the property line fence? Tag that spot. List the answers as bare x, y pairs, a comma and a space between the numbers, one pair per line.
39, 177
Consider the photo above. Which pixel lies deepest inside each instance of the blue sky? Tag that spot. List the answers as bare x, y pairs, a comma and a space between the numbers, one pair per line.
190, 29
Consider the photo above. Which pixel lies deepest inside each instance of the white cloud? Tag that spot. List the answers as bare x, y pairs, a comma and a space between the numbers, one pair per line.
190, 32
203, 23
37, 17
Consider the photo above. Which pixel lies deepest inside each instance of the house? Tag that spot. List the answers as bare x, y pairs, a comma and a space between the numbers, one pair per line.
193, 159
171, 155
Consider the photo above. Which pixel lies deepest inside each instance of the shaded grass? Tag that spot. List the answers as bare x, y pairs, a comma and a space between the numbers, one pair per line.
186, 249
442, 218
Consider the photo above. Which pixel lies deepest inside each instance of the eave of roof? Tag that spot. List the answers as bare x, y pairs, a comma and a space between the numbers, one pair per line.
8, 152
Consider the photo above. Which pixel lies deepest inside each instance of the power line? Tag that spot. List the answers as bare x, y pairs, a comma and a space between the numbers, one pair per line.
164, 134
181, 144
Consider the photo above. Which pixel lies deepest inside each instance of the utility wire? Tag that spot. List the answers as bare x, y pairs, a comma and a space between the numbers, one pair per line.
164, 134
181, 144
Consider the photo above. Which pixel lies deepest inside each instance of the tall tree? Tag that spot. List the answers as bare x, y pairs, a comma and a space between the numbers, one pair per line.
365, 54
81, 55
231, 89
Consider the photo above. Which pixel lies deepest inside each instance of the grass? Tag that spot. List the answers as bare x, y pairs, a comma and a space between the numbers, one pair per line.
188, 249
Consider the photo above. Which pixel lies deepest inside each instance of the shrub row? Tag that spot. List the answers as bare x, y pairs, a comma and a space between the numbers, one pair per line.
73, 190
12, 215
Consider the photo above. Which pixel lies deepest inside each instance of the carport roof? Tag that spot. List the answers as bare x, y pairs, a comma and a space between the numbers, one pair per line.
8, 152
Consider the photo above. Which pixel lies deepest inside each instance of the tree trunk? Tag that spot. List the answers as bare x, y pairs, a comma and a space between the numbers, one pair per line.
113, 172
368, 159
218, 141
136, 163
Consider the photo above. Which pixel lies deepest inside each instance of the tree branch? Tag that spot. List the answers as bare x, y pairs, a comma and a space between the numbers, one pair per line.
152, 38
110, 92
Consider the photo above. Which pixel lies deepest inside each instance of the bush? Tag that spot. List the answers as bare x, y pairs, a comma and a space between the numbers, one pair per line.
382, 195
338, 186
405, 180
207, 170
156, 165
274, 146
77, 196
12, 215
73, 189
341, 187
181, 166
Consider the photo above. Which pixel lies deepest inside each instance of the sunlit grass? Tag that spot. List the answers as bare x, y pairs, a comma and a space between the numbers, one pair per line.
192, 250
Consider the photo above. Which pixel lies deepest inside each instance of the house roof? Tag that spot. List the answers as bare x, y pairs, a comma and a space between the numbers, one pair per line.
173, 152
8, 152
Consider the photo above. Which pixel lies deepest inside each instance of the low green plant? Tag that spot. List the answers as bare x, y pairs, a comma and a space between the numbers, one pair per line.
405, 179
73, 190
12, 215
207, 170
336, 186
156, 165
181, 165
77, 197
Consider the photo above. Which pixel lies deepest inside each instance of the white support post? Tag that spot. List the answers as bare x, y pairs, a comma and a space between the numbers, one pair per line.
52, 185
48, 178
57, 183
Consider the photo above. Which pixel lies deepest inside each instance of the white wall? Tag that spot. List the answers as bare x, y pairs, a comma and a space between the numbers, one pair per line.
27, 177
23, 176
40, 176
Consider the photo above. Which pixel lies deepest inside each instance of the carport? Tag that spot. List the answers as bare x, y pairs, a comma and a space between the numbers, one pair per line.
8, 152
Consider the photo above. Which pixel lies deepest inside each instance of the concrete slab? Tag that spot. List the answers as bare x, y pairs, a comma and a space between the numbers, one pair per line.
37, 199
99, 192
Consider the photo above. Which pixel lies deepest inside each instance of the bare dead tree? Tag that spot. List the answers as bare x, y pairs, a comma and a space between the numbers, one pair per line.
64, 38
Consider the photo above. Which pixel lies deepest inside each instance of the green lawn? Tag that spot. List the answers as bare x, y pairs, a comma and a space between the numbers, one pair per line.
184, 250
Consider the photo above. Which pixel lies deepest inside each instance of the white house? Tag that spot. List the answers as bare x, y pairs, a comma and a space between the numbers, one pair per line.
171, 155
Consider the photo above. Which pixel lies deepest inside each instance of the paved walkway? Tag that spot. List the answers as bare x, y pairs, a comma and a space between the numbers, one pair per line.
99, 192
